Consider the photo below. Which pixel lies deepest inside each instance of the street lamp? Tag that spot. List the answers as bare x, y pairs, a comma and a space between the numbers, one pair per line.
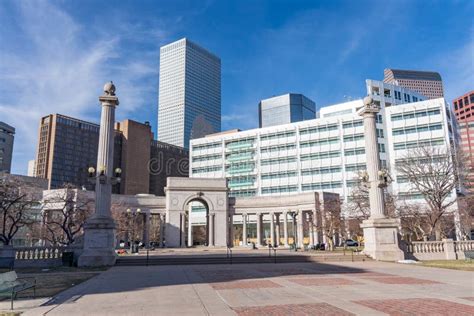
132, 215
100, 174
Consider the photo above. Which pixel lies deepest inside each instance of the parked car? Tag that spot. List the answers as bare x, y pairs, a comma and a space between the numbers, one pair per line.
351, 243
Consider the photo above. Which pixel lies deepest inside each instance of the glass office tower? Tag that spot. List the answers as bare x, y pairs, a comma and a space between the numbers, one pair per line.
189, 104
285, 109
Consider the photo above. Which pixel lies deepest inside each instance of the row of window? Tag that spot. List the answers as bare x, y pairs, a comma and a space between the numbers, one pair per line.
317, 171
353, 138
207, 169
321, 186
280, 189
273, 149
414, 114
416, 129
319, 142
353, 124
319, 129
321, 155
207, 146
279, 175
416, 144
278, 135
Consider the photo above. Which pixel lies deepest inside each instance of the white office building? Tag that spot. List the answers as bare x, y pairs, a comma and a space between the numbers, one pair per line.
323, 154
189, 104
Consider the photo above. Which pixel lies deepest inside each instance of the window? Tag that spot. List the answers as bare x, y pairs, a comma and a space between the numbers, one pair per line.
321, 155
416, 129
414, 114
277, 135
281, 189
207, 169
324, 141
317, 171
381, 148
379, 133
277, 161
353, 138
319, 129
322, 186
353, 124
279, 175
353, 152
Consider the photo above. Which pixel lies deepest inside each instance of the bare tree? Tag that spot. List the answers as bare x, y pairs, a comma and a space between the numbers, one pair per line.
358, 207
64, 215
433, 173
16, 203
129, 225
331, 221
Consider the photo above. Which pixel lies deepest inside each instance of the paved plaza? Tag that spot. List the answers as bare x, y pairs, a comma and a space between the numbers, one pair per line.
343, 288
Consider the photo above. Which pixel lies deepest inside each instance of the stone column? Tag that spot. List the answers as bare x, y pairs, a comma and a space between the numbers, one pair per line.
277, 229
272, 229
162, 229
190, 229
380, 233
285, 229
244, 229
300, 227
315, 225
99, 230
259, 230
311, 229
183, 230
211, 230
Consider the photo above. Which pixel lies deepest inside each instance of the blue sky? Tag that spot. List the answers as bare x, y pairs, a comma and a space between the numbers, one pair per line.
56, 55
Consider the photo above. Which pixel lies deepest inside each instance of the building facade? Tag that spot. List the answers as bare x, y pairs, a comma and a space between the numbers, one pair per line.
285, 109
464, 110
189, 104
7, 137
322, 154
426, 83
67, 147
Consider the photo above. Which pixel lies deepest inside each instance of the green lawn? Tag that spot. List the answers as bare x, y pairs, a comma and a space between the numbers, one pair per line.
52, 281
450, 264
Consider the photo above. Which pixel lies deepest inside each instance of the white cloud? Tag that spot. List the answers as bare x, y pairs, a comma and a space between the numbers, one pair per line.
50, 63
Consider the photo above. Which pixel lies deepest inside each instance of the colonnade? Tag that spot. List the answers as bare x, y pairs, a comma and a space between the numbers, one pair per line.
298, 218
306, 224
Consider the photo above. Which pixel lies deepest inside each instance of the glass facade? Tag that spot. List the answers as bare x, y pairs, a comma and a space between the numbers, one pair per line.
284, 109
189, 104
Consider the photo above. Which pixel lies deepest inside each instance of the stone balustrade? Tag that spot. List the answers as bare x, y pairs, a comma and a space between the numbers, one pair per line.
38, 253
446, 249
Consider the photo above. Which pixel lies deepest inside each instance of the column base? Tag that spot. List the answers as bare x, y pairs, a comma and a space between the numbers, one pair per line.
381, 239
99, 243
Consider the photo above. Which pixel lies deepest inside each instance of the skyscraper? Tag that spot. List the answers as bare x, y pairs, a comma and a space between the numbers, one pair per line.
285, 109
67, 147
7, 133
427, 83
464, 109
189, 104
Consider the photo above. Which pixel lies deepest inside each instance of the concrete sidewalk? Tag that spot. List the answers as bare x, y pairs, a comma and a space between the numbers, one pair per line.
362, 288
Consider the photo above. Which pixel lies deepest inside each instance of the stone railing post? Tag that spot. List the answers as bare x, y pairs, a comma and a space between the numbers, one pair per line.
449, 249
